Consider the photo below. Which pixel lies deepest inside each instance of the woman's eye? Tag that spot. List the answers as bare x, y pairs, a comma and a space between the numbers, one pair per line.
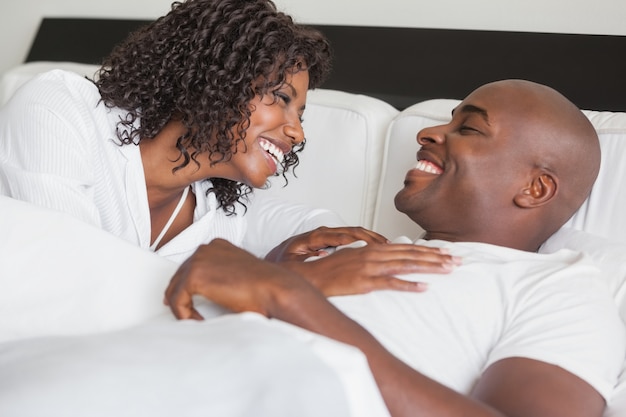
282, 96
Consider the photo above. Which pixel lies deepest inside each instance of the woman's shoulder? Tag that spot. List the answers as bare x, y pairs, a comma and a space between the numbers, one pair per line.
57, 85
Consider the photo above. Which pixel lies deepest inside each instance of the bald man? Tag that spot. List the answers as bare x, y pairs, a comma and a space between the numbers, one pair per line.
509, 332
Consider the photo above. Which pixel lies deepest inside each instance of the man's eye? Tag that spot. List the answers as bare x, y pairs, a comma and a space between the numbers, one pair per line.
467, 129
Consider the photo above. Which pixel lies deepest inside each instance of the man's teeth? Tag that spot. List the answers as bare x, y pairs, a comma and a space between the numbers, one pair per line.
429, 167
273, 150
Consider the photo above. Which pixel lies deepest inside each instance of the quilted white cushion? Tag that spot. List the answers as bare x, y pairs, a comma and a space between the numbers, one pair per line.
400, 156
340, 165
604, 212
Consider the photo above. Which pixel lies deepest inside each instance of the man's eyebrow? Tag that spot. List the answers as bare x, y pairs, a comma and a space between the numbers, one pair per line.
470, 108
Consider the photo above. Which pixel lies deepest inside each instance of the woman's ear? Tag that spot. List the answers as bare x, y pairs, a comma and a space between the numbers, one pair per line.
538, 192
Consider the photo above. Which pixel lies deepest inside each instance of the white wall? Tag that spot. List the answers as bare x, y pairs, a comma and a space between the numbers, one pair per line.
19, 19
561, 16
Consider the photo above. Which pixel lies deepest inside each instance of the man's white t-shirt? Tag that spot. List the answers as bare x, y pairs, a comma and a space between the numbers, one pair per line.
500, 303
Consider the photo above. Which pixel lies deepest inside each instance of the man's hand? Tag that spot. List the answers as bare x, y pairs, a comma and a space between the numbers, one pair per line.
230, 277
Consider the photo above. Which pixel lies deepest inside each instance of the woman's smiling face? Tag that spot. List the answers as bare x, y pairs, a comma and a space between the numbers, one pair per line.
275, 127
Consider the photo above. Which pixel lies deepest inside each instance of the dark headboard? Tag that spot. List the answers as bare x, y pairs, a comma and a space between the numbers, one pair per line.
405, 65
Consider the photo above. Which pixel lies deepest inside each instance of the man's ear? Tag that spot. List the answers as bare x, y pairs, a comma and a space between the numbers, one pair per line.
538, 192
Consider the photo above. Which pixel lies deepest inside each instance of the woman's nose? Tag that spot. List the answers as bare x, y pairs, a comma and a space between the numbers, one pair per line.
293, 129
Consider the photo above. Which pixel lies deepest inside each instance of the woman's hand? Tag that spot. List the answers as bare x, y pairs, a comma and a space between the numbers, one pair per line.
373, 267
314, 243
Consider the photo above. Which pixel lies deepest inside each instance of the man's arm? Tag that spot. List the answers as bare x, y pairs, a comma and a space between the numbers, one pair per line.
511, 387
526, 387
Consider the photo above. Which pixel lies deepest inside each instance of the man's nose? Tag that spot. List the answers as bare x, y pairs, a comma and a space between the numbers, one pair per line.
433, 134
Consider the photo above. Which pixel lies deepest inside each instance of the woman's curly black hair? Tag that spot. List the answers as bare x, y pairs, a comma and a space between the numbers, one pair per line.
202, 63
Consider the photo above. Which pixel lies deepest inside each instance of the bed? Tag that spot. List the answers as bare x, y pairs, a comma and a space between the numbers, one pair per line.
83, 347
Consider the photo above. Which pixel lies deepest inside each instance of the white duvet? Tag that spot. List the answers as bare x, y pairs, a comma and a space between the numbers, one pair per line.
83, 331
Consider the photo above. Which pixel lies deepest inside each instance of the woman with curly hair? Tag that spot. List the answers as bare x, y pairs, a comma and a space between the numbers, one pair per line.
183, 119
200, 67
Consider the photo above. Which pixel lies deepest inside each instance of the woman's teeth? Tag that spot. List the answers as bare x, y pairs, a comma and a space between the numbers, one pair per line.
274, 152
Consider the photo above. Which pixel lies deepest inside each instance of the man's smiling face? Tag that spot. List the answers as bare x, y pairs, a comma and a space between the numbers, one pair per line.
469, 167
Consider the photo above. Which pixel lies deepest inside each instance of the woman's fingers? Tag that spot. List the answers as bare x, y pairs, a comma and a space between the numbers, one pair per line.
406, 258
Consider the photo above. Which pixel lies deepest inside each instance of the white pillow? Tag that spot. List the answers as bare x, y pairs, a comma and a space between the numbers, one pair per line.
609, 255
603, 212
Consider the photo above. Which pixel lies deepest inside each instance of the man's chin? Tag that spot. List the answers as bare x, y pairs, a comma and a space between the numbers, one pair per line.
401, 201
409, 202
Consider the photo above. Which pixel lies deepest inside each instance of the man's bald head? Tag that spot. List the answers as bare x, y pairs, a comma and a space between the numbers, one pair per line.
512, 166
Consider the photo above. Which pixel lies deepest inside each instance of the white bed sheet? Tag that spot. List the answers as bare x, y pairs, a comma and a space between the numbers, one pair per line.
91, 337
233, 365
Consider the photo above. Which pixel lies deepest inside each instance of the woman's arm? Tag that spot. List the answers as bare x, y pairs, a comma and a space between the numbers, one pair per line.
369, 266
45, 152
